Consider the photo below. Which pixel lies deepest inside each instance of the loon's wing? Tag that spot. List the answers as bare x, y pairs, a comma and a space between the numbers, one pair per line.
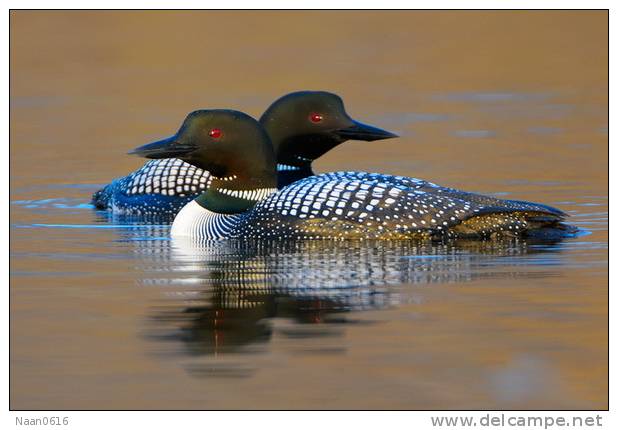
420, 184
383, 206
159, 186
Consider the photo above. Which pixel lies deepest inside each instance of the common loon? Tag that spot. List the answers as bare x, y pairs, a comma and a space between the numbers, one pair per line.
243, 201
302, 126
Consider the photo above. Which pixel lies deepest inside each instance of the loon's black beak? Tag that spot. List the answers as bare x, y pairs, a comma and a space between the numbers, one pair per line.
360, 131
166, 148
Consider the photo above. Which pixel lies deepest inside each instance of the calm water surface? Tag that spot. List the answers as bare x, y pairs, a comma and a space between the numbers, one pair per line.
110, 313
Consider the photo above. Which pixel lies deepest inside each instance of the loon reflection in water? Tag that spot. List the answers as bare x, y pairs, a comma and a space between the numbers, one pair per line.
227, 294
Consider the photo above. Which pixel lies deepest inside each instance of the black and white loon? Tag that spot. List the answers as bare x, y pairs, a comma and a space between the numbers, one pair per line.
243, 201
163, 186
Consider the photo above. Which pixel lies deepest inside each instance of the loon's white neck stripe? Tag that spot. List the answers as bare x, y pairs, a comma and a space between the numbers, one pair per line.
226, 178
253, 195
287, 167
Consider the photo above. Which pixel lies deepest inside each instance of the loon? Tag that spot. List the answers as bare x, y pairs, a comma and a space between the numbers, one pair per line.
303, 126
243, 201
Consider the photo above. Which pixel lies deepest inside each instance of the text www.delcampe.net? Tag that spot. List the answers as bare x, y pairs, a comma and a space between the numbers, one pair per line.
502, 420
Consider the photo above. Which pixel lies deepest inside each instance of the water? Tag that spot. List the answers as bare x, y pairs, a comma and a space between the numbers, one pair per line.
108, 312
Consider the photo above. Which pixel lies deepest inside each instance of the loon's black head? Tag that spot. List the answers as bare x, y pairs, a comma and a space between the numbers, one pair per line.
305, 125
224, 142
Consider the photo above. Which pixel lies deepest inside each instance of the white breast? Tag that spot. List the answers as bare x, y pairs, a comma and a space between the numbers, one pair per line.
195, 221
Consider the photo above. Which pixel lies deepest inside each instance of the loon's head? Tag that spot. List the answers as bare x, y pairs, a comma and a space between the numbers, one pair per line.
305, 125
224, 142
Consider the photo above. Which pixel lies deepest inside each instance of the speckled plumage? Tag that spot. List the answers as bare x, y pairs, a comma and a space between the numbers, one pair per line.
358, 205
159, 188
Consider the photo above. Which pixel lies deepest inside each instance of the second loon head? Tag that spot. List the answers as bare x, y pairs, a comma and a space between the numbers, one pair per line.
304, 125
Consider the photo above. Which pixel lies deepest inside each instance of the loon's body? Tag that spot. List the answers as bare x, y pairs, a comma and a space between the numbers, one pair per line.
159, 188
359, 205
162, 187
242, 201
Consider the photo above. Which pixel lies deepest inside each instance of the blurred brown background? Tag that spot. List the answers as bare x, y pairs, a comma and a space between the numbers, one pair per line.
98, 83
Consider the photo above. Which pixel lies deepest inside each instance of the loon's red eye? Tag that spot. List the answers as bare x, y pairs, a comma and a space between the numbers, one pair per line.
215, 133
316, 117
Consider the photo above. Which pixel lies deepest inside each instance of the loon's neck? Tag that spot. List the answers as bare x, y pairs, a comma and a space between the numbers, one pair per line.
215, 213
235, 194
286, 174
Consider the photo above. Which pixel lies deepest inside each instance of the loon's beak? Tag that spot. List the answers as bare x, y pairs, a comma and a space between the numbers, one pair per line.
360, 131
166, 148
